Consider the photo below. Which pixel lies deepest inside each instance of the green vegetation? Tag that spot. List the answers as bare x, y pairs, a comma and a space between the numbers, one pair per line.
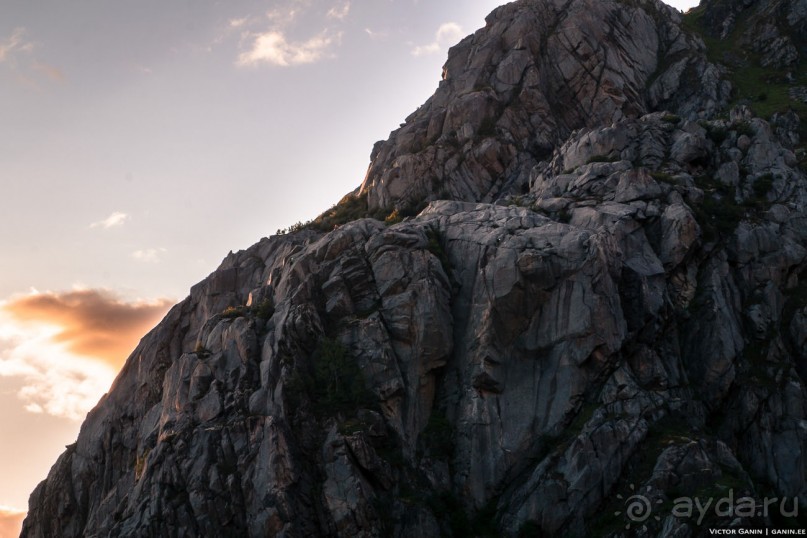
714, 133
338, 383
719, 213
232, 312
764, 89
351, 207
329, 384
744, 128
398, 214
262, 310
664, 177
411, 209
602, 159
140, 463
334, 383
671, 118
435, 246
393, 218
520, 201
352, 426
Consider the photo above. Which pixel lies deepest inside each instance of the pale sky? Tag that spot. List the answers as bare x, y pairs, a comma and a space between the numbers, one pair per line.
141, 141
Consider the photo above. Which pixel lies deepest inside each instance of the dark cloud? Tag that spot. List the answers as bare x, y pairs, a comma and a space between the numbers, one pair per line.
93, 323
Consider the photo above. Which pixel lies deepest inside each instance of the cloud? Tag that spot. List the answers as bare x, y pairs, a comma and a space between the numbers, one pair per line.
339, 12
115, 219
149, 255
66, 348
287, 35
53, 73
10, 521
52, 380
89, 323
13, 44
17, 53
274, 48
238, 23
283, 16
448, 34
375, 34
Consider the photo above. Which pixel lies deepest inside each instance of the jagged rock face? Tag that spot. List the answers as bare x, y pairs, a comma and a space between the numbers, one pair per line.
632, 311
517, 88
776, 30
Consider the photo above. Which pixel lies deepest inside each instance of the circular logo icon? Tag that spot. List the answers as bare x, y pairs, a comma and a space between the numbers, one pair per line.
638, 507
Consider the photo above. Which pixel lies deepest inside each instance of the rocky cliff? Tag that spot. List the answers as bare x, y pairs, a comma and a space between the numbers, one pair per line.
577, 272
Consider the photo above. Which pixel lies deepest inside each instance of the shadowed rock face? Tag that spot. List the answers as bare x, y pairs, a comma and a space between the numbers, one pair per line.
776, 29
614, 294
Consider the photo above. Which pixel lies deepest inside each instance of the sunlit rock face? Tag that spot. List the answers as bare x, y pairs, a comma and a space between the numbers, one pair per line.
517, 88
604, 291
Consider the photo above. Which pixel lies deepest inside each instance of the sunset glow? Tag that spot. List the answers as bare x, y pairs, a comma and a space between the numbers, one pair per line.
88, 323
65, 349
10, 521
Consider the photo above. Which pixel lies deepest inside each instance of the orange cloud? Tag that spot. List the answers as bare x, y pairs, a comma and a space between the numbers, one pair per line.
10, 522
52, 72
15, 43
93, 323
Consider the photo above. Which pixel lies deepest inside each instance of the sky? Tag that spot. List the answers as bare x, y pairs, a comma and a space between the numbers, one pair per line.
140, 141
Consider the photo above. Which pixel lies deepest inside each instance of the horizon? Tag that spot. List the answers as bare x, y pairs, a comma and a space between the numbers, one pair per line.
141, 149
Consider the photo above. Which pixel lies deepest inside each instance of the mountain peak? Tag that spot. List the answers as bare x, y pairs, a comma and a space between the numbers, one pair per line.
518, 87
